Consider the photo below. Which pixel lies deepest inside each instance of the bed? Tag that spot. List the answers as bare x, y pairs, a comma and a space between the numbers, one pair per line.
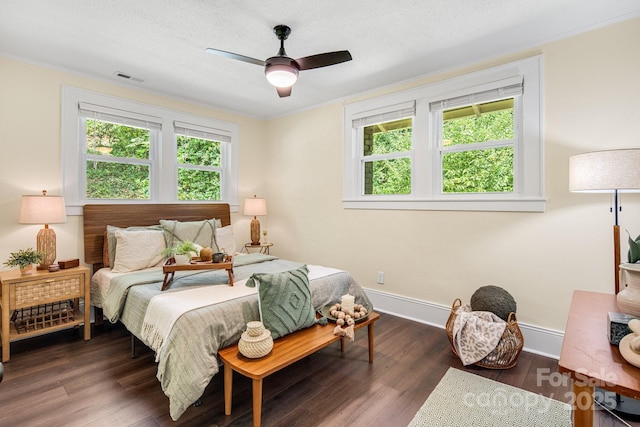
187, 350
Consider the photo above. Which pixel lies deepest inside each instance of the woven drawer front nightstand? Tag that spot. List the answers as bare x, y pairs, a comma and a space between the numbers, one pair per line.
43, 302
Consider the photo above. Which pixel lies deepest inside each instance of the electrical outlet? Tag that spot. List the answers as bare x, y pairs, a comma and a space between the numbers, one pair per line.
380, 277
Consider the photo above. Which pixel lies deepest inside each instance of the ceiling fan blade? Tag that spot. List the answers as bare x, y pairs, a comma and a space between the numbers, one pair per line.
234, 56
323, 59
284, 91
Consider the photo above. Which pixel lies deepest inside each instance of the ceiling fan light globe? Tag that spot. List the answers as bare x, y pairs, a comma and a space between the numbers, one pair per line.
281, 75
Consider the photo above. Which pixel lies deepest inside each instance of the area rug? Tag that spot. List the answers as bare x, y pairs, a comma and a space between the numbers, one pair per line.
462, 399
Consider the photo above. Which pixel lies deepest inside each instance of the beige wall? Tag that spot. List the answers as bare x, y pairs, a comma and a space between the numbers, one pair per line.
30, 141
591, 88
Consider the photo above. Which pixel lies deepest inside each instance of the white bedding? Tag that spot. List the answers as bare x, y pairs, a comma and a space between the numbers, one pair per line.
100, 284
102, 278
186, 365
164, 309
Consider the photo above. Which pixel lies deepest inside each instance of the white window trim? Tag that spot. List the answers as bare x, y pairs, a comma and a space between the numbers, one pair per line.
528, 160
165, 177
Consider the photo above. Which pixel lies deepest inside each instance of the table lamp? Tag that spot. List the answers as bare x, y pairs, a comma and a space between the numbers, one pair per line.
44, 210
609, 171
255, 207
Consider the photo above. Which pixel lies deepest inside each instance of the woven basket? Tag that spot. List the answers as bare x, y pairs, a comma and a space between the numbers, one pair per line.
506, 353
29, 319
256, 341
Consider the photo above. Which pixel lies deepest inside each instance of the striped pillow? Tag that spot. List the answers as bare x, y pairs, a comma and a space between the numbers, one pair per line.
201, 233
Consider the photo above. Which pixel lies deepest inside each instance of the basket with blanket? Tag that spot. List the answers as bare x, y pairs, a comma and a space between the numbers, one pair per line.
486, 332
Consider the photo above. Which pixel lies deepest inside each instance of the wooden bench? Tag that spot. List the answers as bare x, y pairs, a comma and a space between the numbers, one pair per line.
286, 350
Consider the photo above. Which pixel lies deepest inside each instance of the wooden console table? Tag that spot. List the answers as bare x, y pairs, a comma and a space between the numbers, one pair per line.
589, 359
286, 350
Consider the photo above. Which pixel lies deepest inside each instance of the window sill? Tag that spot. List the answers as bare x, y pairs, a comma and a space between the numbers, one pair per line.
487, 205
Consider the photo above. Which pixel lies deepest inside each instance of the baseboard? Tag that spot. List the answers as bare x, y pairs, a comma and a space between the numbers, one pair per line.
538, 340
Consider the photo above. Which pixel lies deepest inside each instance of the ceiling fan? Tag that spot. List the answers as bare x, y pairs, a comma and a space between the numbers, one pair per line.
282, 71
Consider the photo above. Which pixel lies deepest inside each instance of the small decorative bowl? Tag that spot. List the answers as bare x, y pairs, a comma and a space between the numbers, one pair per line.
53, 267
218, 257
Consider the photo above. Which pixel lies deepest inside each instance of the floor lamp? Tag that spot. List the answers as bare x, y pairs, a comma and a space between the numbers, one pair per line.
609, 171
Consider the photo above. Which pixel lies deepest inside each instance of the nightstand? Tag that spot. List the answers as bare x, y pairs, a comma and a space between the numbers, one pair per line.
43, 302
262, 248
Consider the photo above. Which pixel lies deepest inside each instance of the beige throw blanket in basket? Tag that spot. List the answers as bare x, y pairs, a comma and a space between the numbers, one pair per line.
476, 333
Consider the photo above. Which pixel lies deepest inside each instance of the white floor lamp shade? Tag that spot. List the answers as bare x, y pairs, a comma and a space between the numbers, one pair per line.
602, 171
607, 171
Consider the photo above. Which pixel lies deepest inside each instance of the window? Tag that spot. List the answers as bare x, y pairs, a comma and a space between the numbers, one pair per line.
469, 143
477, 137
116, 155
385, 147
200, 154
117, 151
387, 158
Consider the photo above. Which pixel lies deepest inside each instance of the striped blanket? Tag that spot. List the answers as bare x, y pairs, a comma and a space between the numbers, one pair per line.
165, 309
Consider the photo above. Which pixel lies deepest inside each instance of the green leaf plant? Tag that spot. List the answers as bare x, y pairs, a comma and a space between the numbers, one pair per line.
24, 257
634, 249
184, 248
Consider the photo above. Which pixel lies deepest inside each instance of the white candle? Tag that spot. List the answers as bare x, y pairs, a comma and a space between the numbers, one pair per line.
347, 302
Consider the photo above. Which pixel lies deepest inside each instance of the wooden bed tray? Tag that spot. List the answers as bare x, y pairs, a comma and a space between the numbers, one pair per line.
169, 269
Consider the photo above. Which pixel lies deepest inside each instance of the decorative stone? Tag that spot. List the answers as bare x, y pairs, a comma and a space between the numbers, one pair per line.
494, 299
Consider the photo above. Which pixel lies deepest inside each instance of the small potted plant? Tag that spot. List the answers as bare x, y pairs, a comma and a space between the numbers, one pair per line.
182, 252
24, 258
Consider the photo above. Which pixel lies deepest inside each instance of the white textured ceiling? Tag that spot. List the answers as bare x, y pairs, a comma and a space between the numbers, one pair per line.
162, 42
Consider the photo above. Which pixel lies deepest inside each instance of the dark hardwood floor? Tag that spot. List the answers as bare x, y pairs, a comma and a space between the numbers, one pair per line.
59, 379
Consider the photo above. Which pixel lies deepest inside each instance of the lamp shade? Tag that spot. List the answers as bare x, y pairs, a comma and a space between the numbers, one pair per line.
255, 207
281, 75
42, 210
605, 171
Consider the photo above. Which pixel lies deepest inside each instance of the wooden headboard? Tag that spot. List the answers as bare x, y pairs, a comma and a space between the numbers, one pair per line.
97, 217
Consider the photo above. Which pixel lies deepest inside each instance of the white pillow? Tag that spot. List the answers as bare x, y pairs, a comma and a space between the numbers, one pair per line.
137, 250
225, 239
